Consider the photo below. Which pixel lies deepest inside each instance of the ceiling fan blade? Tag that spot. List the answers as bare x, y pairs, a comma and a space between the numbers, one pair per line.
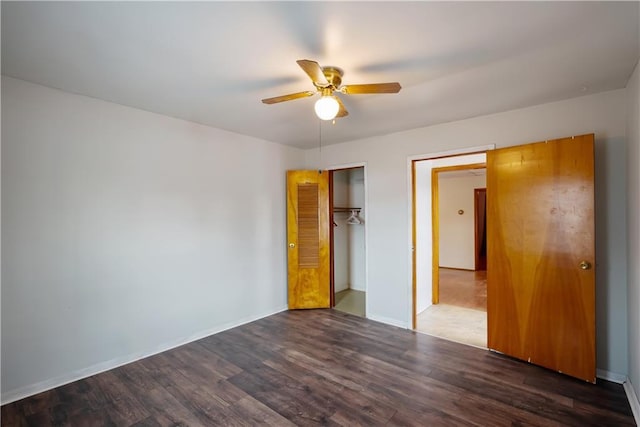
289, 97
313, 70
342, 112
371, 88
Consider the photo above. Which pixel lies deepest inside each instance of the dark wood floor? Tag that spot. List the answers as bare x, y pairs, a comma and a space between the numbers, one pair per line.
463, 288
324, 367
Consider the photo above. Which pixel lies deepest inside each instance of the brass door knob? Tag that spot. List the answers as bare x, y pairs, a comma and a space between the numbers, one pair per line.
585, 265
292, 245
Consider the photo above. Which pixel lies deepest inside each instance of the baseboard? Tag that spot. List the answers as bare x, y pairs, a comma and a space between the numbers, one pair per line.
30, 390
388, 321
610, 376
633, 400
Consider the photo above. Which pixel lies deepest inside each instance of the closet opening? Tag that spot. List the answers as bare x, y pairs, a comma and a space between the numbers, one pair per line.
348, 271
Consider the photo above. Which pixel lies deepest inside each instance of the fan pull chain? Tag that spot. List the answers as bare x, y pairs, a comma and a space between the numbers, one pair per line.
320, 146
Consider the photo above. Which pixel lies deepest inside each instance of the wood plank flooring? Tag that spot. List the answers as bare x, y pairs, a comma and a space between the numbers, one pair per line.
325, 367
463, 288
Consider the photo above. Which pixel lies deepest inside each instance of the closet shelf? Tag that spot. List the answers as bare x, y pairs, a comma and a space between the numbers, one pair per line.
353, 217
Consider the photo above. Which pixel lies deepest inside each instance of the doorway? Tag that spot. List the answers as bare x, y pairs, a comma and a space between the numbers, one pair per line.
450, 255
348, 278
480, 226
540, 252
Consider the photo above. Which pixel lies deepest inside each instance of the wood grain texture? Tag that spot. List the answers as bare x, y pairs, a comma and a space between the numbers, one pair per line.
541, 305
393, 87
308, 234
324, 367
435, 237
332, 274
480, 228
464, 288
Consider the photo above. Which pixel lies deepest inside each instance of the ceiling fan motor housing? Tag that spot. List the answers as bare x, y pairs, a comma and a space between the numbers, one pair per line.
333, 75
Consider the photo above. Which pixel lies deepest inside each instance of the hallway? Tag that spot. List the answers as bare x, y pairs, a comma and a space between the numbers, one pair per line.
464, 288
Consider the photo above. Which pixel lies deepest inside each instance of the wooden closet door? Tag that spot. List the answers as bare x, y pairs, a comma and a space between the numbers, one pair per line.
541, 254
308, 239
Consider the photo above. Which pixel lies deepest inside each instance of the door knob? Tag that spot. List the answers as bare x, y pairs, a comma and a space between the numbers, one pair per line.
292, 245
585, 265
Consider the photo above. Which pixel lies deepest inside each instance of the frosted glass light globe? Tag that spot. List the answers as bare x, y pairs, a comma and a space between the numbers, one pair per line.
327, 108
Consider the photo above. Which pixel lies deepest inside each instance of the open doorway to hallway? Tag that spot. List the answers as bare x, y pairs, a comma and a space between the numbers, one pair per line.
461, 314
451, 293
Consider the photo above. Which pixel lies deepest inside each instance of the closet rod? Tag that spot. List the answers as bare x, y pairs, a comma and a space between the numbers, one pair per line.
337, 209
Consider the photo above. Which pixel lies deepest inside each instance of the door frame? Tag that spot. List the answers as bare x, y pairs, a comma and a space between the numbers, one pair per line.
435, 222
331, 170
478, 264
412, 219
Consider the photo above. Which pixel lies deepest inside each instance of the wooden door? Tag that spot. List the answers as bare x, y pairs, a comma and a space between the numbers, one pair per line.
308, 239
480, 228
540, 243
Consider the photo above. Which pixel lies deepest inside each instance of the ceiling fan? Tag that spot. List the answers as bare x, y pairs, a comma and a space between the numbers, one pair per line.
328, 80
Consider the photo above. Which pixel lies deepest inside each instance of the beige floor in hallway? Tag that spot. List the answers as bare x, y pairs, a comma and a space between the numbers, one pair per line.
351, 301
463, 325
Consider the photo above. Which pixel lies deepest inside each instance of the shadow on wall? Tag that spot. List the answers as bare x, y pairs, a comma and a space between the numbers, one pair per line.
611, 249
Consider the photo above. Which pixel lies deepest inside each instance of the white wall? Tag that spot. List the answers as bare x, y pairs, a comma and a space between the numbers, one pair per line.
341, 250
633, 218
127, 232
423, 248
356, 232
388, 238
457, 232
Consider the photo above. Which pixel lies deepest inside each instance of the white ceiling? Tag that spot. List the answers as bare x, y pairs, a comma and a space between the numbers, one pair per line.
212, 62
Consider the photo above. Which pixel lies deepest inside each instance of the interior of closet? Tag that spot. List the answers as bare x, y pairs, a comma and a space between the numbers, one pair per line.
348, 245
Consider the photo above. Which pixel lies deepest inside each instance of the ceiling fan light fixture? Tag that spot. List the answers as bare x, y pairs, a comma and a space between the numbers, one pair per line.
328, 80
327, 107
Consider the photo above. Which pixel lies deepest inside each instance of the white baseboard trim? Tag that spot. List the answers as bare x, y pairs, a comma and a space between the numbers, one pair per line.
388, 321
32, 389
610, 376
633, 400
